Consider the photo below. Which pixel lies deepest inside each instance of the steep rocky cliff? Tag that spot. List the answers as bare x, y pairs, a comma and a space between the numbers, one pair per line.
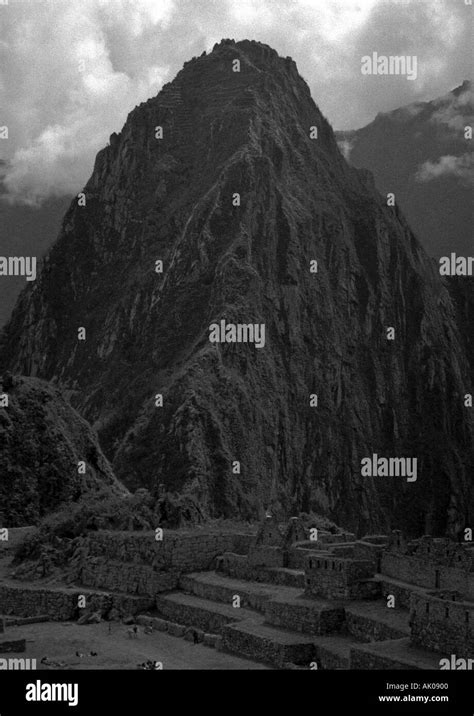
42, 440
173, 199
461, 289
25, 231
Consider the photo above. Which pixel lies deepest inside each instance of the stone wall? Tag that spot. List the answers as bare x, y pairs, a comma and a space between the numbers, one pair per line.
27, 602
183, 551
302, 615
138, 563
343, 550
366, 629
129, 578
297, 556
401, 593
442, 625
423, 573
258, 645
267, 556
440, 551
195, 616
239, 567
366, 659
370, 551
225, 593
62, 604
336, 578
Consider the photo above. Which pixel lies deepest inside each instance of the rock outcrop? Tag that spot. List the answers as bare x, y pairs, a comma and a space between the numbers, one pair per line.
221, 177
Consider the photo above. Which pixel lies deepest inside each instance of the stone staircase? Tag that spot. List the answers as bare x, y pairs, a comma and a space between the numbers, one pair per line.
259, 641
393, 654
205, 614
277, 624
373, 621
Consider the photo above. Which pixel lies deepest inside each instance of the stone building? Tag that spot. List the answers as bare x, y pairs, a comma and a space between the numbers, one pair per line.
442, 622
432, 563
338, 577
267, 550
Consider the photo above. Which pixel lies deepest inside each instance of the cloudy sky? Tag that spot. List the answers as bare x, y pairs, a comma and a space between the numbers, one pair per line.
71, 70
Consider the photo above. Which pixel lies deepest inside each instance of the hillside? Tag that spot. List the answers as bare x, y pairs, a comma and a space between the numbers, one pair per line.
43, 439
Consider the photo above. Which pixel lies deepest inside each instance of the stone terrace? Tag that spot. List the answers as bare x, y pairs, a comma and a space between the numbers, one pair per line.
276, 597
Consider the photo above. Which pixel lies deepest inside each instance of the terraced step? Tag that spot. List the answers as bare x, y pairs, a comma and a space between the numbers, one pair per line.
236, 566
134, 579
374, 621
201, 613
333, 652
260, 642
219, 588
393, 654
287, 577
59, 603
304, 615
402, 591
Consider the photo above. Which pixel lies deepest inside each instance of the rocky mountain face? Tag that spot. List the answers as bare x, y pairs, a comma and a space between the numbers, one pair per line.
25, 231
237, 429
42, 441
462, 293
420, 153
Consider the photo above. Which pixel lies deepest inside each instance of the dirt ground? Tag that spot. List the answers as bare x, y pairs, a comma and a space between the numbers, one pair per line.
59, 641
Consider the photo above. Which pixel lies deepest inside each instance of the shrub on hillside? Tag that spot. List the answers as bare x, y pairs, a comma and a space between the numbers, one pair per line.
101, 511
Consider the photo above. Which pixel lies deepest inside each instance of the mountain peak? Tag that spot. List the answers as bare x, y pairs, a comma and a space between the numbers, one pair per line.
258, 52
225, 211
464, 87
237, 99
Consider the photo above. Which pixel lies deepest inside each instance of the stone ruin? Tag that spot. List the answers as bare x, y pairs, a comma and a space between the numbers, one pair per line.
306, 598
431, 579
432, 563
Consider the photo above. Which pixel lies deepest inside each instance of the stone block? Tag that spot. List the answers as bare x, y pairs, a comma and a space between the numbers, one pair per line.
176, 629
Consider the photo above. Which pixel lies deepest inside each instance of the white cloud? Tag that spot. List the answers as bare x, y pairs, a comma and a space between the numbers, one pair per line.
337, 18
247, 12
455, 111
71, 70
64, 97
346, 146
462, 167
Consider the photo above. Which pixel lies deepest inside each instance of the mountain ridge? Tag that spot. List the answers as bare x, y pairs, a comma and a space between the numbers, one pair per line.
419, 153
